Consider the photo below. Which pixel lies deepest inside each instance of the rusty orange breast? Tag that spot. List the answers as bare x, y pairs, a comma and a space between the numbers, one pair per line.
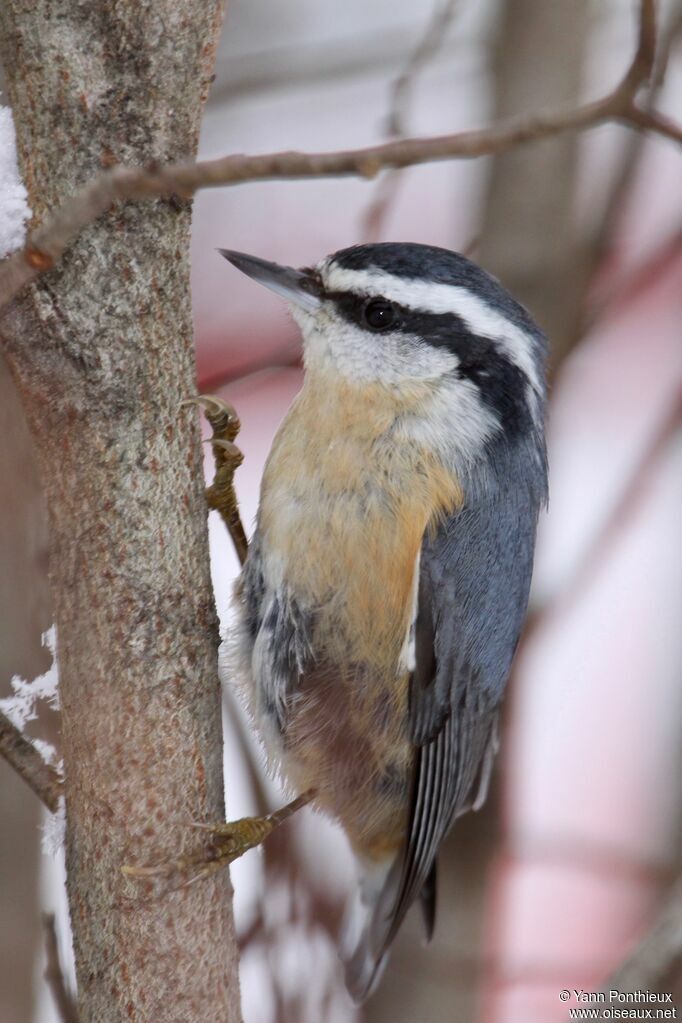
344, 508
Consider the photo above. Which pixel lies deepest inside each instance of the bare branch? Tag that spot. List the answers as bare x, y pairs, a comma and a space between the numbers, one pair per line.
427, 46
643, 61
653, 121
599, 243
54, 976
602, 238
27, 761
425, 49
385, 195
47, 243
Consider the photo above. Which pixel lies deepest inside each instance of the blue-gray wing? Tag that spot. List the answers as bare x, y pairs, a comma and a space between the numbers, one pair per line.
473, 591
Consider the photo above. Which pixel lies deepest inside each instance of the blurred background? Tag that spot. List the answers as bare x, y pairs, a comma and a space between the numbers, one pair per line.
555, 881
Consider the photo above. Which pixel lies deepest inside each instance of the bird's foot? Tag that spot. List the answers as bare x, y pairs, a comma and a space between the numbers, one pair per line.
227, 457
227, 841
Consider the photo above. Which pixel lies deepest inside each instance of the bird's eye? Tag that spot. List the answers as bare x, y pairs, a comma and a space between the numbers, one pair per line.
379, 314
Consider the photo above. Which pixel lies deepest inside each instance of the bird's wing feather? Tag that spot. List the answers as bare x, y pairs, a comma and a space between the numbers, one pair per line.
473, 590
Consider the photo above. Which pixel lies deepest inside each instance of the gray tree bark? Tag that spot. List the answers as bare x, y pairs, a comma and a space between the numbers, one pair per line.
101, 351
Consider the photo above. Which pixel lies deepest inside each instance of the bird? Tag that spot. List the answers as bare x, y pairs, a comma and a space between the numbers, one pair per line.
387, 579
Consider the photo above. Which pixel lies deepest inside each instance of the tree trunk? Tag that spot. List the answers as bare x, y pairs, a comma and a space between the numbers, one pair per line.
101, 349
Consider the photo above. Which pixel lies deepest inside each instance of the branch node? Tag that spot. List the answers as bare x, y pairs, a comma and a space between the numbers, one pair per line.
37, 259
368, 167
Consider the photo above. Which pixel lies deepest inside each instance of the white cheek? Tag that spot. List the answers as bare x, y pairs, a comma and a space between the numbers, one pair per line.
453, 424
331, 343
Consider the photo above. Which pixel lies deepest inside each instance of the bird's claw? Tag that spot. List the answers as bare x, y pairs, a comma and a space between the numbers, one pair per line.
232, 454
227, 457
222, 416
228, 841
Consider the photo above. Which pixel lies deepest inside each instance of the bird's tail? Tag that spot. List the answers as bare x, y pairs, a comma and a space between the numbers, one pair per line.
371, 923
364, 935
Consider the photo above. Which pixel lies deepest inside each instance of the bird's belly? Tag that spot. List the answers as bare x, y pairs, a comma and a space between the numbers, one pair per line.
346, 736
345, 728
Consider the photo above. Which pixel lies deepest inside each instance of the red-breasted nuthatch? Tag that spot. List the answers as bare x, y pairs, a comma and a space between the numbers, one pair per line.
387, 580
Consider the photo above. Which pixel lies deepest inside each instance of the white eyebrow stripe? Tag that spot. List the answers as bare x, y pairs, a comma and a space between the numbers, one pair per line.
432, 297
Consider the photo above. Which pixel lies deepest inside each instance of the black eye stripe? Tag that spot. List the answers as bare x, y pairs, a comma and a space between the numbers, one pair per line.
481, 360
353, 307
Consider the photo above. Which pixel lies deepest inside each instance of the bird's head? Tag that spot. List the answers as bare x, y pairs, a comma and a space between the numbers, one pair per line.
400, 315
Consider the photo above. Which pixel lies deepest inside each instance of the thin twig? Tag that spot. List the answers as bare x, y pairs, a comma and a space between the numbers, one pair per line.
426, 48
597, 249
653, 121
66, 1006
602, 238
47, 243
27, 761
386, 191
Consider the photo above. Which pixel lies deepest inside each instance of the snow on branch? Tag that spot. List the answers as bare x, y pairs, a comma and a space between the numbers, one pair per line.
14, 208
47, 243
32, 758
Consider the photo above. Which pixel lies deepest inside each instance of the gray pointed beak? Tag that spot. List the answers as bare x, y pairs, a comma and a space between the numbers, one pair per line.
298, 286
